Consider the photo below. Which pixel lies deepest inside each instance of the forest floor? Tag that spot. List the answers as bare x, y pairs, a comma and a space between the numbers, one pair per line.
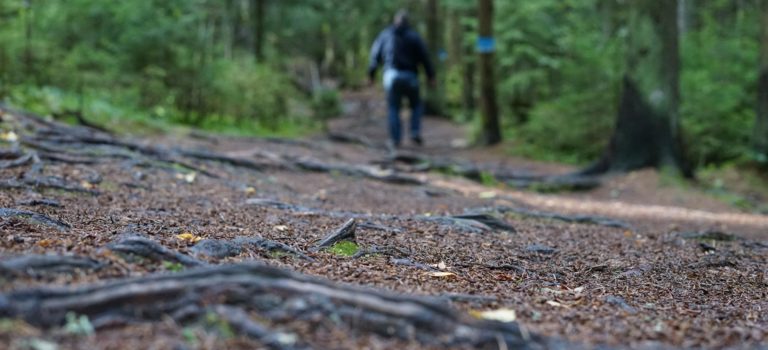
637, 262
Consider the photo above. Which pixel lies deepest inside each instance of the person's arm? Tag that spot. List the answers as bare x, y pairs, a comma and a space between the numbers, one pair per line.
425, 60
375, 59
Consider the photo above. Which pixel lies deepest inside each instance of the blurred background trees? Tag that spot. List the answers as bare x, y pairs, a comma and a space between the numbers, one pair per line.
268, 66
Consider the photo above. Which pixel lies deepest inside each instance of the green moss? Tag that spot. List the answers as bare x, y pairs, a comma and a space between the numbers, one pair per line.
172, 266
277, 254
488, 179
344, 248
222, 327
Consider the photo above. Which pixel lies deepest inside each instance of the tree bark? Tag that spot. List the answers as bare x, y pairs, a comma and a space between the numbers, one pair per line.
491, 132
434, 97
258, 10
28, 17
647, 132
683, 18
468, 62
761, 125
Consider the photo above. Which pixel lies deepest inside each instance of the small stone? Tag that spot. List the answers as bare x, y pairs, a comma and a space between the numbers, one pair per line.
541, 249
621, 303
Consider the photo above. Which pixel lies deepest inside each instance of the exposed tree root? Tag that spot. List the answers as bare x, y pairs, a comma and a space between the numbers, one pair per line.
36, 217
41, 202
273, 294
352, 139
22, 160
57, 142
375, 173
553, 183
42, 265
218, 248
147, 248
471, 223
238, 162
580, 219
488, 220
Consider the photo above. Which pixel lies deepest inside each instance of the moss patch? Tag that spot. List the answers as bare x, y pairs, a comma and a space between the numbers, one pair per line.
344, 248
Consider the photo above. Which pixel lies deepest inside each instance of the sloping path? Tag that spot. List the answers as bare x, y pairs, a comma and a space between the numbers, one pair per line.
160, 215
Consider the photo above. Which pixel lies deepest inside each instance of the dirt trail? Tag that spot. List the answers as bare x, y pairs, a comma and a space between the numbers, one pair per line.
632, 264
642, 194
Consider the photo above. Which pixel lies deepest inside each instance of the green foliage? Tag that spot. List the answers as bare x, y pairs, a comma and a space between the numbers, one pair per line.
488, 179
718, 93
153, 62
221, 326
148, 65
563, 65
326, 104
344, 248
78, 325
190, 336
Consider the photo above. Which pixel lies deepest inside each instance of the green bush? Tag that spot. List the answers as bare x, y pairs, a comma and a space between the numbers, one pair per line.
718, 95
326, 104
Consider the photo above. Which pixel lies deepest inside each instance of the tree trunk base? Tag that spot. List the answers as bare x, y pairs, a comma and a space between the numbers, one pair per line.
641, 139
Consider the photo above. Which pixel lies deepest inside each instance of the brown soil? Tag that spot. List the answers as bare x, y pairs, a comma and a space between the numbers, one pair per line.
644, 287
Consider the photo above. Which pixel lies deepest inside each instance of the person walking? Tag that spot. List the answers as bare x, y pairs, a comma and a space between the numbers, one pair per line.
400, 51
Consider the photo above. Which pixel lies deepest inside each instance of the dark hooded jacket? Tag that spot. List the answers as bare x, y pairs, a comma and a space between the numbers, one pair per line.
400, 48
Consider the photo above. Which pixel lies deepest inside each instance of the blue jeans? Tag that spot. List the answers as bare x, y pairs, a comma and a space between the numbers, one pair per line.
400, 84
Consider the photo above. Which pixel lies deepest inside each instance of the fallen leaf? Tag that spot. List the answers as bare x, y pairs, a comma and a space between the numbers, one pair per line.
441, 274
188, 237
501, 315
321, 195
487, 195
9, 136
188, 177
45, 243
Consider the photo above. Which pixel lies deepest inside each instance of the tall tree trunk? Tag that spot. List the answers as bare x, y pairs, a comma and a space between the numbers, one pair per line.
462, 56
683, 17
28, 38
761, 125
491, 132
434, 99
239, 40
258, 8
647, 132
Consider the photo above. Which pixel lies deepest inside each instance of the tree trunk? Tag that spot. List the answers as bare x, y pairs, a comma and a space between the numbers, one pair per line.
28, 69
683, 22
647, 132
464, 58
491, 132
258, 10
434, 97
761, 127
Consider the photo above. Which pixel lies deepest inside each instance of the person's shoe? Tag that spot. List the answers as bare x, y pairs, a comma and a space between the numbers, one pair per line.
417, 141
392, 148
